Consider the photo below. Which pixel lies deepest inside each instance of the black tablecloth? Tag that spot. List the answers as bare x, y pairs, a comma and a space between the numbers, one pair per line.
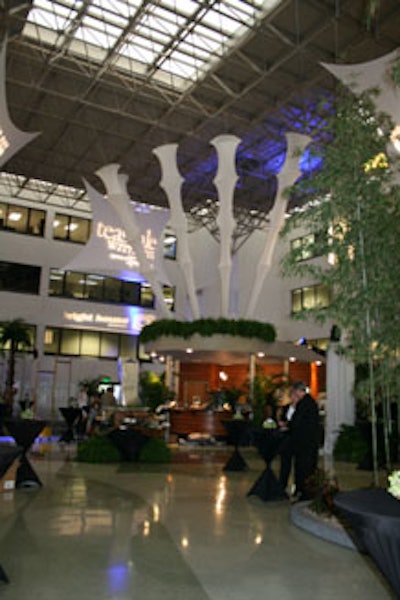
129, 442
267, 487
24, 432
237, 430
71, 416
7, 456
375, 518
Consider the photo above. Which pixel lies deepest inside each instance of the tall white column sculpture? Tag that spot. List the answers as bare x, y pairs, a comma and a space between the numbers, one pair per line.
12, 139
288, 175
225, 181
118, 197
171, 182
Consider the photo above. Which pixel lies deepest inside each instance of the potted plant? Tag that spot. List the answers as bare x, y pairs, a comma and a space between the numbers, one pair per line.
16, 334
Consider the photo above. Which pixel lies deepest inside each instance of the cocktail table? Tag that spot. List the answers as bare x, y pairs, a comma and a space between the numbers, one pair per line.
24, 432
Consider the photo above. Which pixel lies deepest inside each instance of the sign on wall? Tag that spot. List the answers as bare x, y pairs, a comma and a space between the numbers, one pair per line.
108, 250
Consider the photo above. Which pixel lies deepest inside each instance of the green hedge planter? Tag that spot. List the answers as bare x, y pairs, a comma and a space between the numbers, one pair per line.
98, 449
208, 328
155, 451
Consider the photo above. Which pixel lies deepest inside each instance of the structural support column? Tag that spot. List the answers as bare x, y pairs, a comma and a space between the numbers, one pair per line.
252, 376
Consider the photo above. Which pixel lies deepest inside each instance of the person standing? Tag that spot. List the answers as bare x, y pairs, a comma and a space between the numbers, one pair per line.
303, 428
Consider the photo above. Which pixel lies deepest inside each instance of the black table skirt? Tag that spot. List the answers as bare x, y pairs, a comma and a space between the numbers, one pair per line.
374, 516
24, 432
7, 456
267, 487
237, 430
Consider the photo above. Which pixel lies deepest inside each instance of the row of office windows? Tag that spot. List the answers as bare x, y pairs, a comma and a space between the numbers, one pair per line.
98, 288
16, 277
67, 228
21, 219
96, 344
76, 342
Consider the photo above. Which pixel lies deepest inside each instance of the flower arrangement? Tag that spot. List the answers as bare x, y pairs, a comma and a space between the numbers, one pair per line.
394, 484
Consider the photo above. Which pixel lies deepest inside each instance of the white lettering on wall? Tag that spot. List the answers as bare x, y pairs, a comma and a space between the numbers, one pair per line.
119, 247
132, 324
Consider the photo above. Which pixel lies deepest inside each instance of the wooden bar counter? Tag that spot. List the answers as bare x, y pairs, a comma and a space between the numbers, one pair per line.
186, 421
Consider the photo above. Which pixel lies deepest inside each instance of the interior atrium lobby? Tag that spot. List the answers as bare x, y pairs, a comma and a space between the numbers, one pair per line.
146, 152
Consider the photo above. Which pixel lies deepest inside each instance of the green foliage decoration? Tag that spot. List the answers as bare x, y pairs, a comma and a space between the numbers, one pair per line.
97, 449
152, 389
15, 334
356, 201
351, 445
208, 328
155, 451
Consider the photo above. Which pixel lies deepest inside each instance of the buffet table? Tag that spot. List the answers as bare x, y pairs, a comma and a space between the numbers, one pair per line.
187, 421
374, 516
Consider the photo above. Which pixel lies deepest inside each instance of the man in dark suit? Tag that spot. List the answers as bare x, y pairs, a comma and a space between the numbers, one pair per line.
303, 428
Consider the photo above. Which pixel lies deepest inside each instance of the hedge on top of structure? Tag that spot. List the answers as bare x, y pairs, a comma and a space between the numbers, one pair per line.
207, 328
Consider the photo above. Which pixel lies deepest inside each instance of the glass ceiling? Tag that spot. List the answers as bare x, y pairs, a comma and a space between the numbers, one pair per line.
171, 42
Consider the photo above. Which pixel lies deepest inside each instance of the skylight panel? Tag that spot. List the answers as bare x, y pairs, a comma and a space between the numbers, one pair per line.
107, 16
224, 23
116, 8
97, 32
184, 38
143, 53
185, 7
178, 68
51, 15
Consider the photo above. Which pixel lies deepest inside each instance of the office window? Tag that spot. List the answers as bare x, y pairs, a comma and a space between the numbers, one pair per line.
310, 297
112, 290
146, 296
71, 229
90, 343
16, 277
3, 214
52, 338
130, 292
75, 285
94, 287
169, 295
36, 222
305, 246
98, 344
56, 282
109, 345
70, 342
17, 218
170, 246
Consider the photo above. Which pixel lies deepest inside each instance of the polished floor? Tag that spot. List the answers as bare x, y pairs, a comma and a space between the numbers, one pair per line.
185, 531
